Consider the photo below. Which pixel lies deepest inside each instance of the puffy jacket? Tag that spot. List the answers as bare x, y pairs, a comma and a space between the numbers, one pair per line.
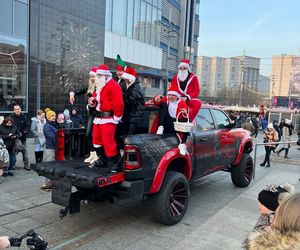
50, 132
37, 128
23, 125
4, 134
134, 103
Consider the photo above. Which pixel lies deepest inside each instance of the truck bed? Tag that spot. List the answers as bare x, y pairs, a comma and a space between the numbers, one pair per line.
77, 173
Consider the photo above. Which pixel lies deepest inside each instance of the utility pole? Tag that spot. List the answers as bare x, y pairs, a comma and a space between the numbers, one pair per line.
242, 80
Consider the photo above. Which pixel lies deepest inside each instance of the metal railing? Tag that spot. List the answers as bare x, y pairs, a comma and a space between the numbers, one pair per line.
268, 143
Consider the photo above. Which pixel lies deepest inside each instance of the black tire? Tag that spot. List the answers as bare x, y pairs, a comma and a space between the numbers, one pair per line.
241, 174
170, 204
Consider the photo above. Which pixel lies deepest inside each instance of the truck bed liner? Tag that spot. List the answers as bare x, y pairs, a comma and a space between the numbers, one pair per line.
78, 173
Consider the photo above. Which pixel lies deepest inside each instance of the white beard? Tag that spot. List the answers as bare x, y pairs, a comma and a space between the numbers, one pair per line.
100, 83
182, 75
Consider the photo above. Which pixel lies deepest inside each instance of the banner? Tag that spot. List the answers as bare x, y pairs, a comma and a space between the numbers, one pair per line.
295, 76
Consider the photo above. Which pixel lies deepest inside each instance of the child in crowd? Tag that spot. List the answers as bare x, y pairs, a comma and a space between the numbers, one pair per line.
169, 108
37, 127
268, 201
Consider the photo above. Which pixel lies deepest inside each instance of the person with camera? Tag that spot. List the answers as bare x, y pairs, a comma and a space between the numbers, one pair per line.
270, 136
9, 133
23, 124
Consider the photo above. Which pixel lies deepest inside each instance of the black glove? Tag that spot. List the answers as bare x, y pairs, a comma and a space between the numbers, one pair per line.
36, 242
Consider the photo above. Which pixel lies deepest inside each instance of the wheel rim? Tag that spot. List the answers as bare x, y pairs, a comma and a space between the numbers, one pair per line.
178, 200
248, 170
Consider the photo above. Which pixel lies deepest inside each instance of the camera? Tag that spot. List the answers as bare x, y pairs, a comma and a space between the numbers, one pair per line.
35, 241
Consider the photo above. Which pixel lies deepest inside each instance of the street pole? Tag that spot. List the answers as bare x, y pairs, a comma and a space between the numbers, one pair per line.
38, 65
241, 83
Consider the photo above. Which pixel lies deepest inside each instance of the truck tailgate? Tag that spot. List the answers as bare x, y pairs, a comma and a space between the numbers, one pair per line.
78, 173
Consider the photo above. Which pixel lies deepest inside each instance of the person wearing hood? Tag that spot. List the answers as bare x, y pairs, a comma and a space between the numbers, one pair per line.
285, 230
286, 136
9, 133
270, 136
68, 121
76, 119
37, 127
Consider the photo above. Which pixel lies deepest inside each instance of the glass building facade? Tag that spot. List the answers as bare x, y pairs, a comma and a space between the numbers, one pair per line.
14, 34
46, 50
137, 19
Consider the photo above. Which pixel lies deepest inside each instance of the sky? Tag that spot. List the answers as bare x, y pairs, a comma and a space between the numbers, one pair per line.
263, 28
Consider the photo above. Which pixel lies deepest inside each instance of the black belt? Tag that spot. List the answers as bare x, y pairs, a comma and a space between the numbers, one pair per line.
103, 114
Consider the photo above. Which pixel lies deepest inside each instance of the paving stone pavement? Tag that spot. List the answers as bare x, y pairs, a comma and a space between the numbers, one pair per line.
219, 216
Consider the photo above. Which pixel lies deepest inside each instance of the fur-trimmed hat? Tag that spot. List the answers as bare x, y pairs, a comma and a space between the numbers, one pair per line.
103, 70
273, 195
49, 113
185, 63
129, 74
173, 91
93, 71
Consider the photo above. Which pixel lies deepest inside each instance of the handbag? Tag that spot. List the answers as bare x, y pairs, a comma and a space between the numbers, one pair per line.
18, 146
42, 141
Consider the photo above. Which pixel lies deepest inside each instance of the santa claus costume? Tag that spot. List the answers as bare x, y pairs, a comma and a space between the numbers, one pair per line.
187, 85
107, 106
170, 108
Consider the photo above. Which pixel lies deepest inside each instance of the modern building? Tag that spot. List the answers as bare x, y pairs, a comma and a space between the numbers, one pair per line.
47, 47
285, 78
263, 87
221, 76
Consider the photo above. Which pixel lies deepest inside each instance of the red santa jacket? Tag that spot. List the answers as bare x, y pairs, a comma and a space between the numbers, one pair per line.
192, 89
109, 100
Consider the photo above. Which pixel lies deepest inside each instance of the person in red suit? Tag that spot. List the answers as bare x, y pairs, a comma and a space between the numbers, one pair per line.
187, 85
169, 108
107, 106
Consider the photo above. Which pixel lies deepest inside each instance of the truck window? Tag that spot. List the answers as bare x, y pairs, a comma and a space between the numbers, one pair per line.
204, 120
222, 121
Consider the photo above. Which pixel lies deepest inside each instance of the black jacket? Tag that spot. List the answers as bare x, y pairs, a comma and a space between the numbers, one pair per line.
23, 125
134, 103
122, 84
4, 134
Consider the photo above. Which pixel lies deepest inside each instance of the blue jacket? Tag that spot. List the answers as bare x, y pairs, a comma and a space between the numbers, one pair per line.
50, 132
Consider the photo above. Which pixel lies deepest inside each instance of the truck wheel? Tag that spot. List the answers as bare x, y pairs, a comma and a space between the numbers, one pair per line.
241, 174
170, 204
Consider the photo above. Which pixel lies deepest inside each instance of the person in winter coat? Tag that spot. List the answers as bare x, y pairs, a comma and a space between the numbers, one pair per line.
134, 103
50, 133
268, 201
68, 121
286, 136
248, 125
255, 124
269, 137
60, 121
88, 90
276, 127
9, 133
76, 119
264, 124
37, 127
23, 125
169, 109
285, 230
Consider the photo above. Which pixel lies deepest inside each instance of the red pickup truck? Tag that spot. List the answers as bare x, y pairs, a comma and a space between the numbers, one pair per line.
152, 166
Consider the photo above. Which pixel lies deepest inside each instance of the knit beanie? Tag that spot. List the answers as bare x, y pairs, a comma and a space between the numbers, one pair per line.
273, 195
49, 113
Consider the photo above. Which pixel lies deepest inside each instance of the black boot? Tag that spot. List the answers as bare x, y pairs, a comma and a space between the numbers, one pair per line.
263, 164
114, 163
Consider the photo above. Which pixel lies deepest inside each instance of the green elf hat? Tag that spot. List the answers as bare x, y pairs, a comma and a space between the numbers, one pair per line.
121, 66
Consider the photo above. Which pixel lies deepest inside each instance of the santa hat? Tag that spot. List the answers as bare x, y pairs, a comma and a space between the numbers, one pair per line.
129, 74
93, 71
173, 91
184, 63
103, 70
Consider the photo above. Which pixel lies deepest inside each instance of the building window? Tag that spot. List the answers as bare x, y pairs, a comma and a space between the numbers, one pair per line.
108, 15
130, 18
13, 73
20, 14
6, 16
137, 11
142, 25
119, 17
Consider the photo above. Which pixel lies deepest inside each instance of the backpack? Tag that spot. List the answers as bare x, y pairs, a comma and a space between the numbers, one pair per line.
4, 156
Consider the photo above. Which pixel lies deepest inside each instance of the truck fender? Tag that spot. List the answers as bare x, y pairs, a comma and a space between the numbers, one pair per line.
163, 165
242, 146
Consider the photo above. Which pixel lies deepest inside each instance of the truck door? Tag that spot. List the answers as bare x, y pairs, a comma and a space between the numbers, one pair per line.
226, 152
203, 149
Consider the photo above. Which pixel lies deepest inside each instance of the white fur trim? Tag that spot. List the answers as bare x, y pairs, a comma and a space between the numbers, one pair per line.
104, 120
174, 93
72, 93
128, 77
117, 118
186, 65
103, 72
92, 73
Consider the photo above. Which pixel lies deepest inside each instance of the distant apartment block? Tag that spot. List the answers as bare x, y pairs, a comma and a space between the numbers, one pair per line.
217, 73
285, 78
263, 86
